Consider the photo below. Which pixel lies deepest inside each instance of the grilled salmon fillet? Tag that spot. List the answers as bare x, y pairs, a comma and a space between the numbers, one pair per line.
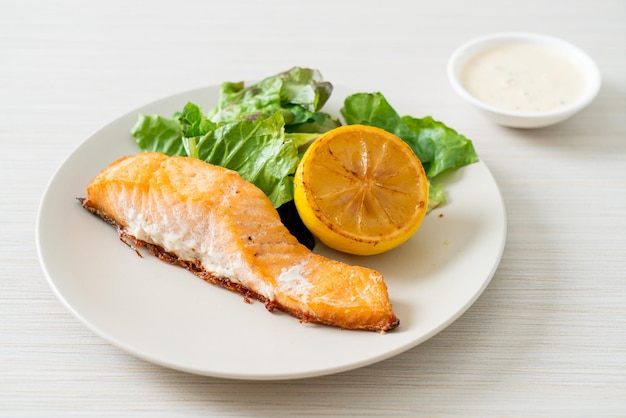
224, 229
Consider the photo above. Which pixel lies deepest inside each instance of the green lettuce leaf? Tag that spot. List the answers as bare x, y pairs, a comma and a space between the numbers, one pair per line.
436, 195
193, 121
259, 150
441, 146
374, 110
161, 134
319, 122
157, 133
298, 94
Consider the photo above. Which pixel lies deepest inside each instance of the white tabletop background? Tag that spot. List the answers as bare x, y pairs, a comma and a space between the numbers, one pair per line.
546, 338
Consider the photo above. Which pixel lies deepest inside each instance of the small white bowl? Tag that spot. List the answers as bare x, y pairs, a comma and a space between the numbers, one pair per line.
516, 119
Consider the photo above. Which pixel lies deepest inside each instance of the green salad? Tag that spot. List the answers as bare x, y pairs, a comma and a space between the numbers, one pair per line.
260, 131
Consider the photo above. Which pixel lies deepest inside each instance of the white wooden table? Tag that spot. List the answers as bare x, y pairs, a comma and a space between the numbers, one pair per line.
547, 337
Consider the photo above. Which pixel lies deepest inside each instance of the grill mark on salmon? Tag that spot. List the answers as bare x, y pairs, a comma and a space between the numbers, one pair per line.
210, 221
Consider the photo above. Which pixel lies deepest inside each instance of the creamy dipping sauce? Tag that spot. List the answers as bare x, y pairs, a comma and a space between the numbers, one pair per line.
522, 78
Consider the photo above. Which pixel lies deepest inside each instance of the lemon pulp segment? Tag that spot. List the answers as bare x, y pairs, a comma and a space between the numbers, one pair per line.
361, 190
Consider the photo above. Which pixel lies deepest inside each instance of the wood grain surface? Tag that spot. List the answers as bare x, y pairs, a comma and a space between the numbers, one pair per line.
548, 336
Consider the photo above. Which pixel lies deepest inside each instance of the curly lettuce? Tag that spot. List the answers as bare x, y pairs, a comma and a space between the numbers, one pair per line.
298, 94
256, 130
259, 130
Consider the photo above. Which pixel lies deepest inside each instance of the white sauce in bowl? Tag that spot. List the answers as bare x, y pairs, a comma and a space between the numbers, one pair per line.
522, 78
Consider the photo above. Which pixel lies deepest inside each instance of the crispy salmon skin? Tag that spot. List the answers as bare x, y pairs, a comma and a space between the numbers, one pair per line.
224, 229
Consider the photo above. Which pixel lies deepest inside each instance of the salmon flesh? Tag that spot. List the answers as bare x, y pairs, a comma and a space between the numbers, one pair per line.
224, 229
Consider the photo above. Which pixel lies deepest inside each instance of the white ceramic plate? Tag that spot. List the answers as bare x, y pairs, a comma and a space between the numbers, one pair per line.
168, 316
